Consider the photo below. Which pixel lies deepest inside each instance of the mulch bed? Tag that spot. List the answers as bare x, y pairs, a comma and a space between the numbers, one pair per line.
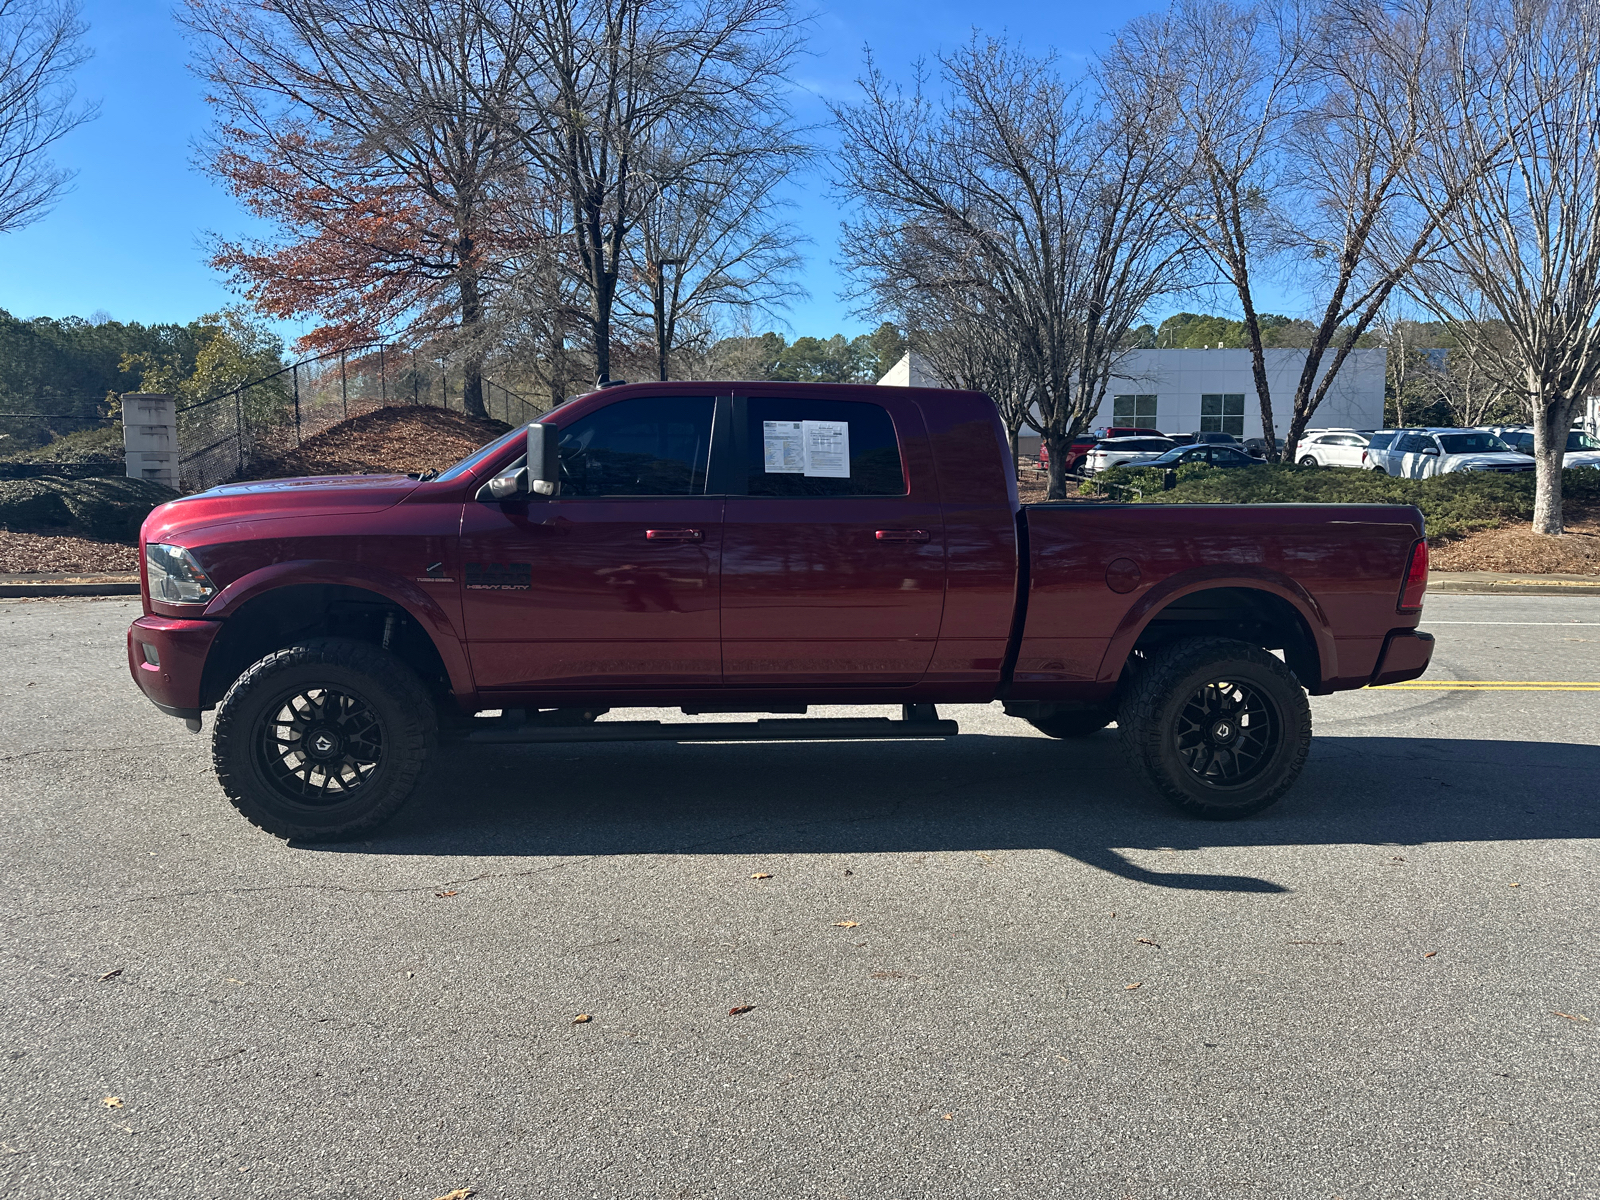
386, 441
1516, 549
27, 553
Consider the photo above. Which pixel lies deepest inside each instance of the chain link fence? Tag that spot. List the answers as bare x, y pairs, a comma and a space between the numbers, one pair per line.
230, 435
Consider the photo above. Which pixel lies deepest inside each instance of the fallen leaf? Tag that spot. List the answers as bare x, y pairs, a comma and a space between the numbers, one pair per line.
848, 871
1147, 942
582, 1019
1571, 1017
112, 1102
1513, 885
458, 1194
848, 924
1131, 986
740, 1010
445, 895
112, 974
949, 1116
762, 875
1430, 954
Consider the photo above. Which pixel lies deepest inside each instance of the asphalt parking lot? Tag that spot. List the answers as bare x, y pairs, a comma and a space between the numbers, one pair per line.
988, 966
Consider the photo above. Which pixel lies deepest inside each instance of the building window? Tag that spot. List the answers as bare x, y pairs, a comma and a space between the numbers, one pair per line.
1222, 413
1133, 410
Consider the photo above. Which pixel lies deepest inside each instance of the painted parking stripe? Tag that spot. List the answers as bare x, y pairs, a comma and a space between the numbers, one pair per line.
1494, 685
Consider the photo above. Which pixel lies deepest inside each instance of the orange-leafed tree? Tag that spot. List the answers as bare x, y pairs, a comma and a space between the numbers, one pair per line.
370, 135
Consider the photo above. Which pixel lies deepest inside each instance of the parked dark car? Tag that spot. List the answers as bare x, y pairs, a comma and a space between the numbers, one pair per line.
1257, 447
1213, 435
1213, 454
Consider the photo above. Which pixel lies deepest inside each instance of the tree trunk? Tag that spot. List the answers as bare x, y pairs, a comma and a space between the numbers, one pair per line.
1258, 370
1015, 429
471, 321
1059, 448
1549, 449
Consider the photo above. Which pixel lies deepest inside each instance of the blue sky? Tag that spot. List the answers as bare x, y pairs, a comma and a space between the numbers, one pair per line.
128, 240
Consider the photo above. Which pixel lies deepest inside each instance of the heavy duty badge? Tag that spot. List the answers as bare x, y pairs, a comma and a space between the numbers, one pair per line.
499, 577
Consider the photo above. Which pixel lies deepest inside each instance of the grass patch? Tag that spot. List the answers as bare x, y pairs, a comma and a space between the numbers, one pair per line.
106, 510
1454, 505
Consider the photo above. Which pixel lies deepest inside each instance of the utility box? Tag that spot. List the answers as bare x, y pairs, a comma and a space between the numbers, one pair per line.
150, 437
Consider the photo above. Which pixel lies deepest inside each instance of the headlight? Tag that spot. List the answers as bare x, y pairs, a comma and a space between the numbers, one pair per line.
175, 577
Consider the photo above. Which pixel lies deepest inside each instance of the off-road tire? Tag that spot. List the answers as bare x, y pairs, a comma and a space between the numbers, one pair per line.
395, 716
1156, 722
1076, 724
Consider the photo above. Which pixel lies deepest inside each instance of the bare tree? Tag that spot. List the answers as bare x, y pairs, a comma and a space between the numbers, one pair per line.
970, 350
1225, 78
707, 248
607, 84
373, 133
1517, 280
1015, 202
41, 44
1373, 75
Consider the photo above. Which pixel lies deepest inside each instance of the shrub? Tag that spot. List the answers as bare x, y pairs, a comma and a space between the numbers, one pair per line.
1453, 504
107, 510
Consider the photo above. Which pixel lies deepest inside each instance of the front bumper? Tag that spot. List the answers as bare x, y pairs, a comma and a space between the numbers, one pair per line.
1406, 654
172, 681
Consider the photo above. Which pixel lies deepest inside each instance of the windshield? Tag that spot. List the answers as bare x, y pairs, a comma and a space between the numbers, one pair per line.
471, 461
1472, 443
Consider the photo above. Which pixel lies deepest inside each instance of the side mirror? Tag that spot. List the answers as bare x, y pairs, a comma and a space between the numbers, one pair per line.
508, 484
544, 459
1433, 450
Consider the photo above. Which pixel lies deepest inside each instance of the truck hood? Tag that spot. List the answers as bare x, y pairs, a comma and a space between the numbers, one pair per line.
272, 499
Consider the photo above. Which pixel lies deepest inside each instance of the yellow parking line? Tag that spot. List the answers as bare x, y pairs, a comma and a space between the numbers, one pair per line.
1492, 685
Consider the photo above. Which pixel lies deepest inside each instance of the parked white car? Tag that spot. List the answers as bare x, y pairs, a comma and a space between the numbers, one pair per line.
1376, 455
1420, 453
1582, 449
1333, 447
1115, 452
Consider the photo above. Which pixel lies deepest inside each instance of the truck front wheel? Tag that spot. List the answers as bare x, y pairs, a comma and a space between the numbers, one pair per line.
324, 740
1217, 726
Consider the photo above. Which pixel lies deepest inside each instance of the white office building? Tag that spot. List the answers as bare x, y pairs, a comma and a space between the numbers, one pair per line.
1189, 391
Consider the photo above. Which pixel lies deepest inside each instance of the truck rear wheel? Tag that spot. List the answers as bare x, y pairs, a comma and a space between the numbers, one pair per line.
1218, 727
324, 740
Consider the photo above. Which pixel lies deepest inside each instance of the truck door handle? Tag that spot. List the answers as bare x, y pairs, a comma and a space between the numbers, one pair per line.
673, 535
902, 535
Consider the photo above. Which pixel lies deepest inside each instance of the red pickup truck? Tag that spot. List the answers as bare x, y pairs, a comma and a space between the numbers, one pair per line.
751, 548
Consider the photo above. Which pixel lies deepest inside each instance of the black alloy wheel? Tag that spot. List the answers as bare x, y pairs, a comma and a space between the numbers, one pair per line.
321, 745
1226, 733
324, 740
1216, 726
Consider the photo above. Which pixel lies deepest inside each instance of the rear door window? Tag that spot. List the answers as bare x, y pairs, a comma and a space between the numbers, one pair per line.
820, 448
1380, 441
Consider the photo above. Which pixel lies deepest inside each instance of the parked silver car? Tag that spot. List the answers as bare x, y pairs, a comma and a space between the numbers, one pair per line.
1582, 450
1421, 453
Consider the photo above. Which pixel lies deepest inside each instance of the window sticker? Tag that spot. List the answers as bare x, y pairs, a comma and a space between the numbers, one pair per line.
827, 449
785, 447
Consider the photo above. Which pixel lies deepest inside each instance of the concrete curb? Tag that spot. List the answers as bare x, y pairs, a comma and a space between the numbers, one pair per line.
67, 584
1494, 583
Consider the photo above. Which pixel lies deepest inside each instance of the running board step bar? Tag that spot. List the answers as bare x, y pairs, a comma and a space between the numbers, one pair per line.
805, 729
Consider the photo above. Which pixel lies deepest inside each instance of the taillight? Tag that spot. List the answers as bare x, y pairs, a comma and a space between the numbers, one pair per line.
1416, 579
1364, 459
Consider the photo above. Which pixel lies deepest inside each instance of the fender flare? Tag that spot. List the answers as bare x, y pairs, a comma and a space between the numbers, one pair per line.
1203, 579
424, 609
